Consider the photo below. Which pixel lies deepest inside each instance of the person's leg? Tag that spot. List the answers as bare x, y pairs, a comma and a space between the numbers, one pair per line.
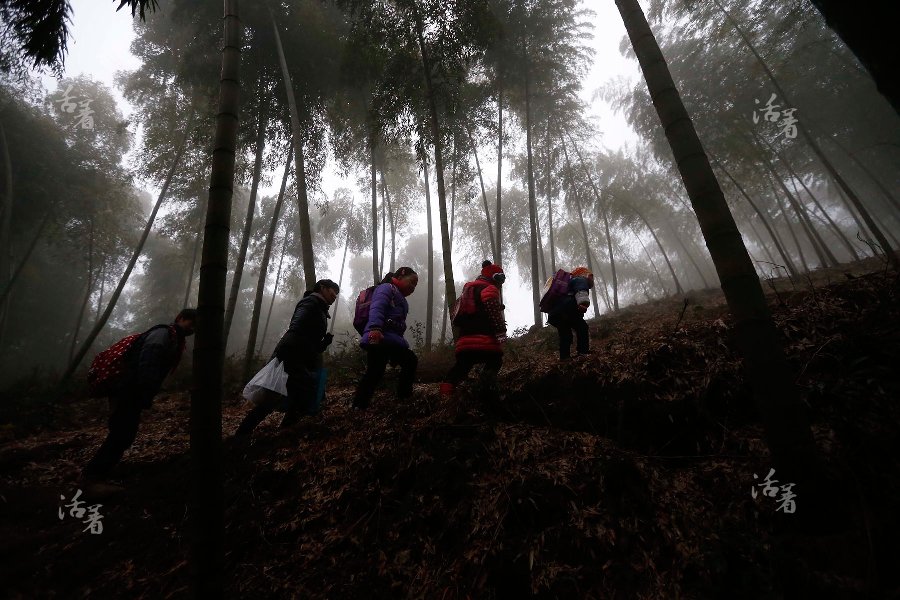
492, 363
581, 330
408, 362
301, 387
565, 340
258, 413
376, 363
460, 370
123, 426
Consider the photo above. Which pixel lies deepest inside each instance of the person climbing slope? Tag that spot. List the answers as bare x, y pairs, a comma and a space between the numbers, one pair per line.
299, 350
482, 328
130, 374
383, 309
567, 314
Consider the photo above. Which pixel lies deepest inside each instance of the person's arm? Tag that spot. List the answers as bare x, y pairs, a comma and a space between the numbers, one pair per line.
381, 301
153, 362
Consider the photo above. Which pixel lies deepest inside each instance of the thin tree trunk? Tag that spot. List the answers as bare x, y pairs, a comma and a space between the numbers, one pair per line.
866, 216
790, 226
450, 294
6, 258
604, 283
28, 251
584, 233
837, 230
759, 240
895, 204
652, 264
376, 268
429, 309
306, 244
532, 210
207, 502
387, 200
809, 214
87, 293
549, 184
788, 263
343, 264
540, 241
826, 258
102, 278
190, 280
262, 343
383, 228
487, 213
678, 288
85, 346
786, 425
452, 224
499, 212
248, 222
249, 354
602, 207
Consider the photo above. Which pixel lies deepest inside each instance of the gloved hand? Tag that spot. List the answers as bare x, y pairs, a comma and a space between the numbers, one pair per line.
375, 336
326, 341
501, 338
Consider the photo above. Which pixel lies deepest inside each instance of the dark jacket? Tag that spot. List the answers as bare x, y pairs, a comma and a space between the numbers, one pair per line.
566, 310
305, 337
387, 314
480, 331
155, 354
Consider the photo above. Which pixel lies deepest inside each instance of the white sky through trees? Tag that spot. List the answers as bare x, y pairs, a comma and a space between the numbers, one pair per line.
99, 46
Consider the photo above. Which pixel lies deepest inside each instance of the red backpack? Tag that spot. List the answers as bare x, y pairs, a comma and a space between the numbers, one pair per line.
467, 304
556, 288
110, 366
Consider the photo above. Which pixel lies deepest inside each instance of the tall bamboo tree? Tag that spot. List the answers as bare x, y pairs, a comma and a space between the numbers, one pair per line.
786, 425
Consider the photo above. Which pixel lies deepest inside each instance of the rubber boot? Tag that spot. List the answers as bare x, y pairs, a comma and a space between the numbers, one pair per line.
447, 390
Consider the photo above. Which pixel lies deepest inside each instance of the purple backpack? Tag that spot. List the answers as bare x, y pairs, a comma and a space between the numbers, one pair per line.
363, 306
556, 287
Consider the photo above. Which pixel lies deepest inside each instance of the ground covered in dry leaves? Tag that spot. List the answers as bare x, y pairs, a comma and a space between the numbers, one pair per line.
626, 474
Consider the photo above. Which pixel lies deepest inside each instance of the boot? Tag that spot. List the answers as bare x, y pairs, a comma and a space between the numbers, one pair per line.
447, 390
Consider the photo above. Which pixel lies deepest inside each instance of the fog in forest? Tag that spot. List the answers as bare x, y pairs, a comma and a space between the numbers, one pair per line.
127, 124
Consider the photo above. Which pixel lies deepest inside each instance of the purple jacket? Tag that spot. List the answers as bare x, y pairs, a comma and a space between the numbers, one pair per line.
388, 313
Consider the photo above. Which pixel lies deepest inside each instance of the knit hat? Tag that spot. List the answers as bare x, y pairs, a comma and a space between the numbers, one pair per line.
581, 272
489, 269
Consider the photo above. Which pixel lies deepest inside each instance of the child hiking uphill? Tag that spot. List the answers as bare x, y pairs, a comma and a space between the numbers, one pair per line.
566, 313
479, 316
381, 319
130, 374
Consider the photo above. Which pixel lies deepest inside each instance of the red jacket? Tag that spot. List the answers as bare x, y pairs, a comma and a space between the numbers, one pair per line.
480, 333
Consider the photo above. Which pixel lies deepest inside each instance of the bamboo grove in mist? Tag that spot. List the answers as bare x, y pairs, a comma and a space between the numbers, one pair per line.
459, 132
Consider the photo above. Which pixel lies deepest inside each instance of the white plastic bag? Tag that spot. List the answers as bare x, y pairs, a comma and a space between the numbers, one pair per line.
270, 377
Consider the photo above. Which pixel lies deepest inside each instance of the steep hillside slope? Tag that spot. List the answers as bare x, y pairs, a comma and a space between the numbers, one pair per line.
625, 474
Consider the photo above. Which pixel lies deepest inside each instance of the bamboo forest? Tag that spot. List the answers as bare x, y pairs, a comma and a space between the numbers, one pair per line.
655, 351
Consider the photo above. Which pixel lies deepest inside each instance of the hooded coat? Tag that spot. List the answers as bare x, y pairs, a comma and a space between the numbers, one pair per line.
387, 314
